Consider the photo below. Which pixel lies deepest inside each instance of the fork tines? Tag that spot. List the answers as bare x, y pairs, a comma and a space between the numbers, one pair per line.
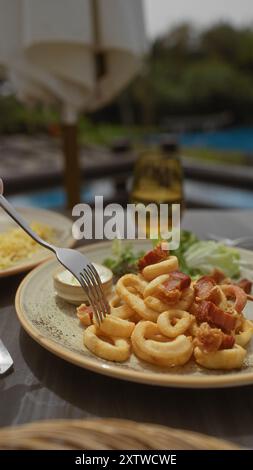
91, 282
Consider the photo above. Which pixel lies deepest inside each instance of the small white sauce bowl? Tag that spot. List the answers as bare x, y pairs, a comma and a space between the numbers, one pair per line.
69, 289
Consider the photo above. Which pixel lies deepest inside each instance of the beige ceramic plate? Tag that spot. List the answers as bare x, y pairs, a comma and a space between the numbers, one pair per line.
63, 236
53, 324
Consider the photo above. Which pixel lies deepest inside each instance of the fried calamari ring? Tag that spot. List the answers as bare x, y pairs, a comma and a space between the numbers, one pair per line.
218, 297
166, 353
237, 293
119, 309
186, 300
226, 359
134, 301
245, 334
152, 286
118, 350
193, 330
155, 304
114, 326
164, 267
183, 321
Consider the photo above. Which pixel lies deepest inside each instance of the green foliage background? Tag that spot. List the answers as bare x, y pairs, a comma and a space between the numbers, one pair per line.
193, 72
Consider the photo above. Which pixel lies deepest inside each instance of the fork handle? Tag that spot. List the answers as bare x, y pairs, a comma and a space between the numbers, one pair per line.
23, 223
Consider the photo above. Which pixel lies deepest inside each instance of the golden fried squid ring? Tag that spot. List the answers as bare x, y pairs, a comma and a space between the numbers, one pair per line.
186, 300
114, 326
169, 353
218, 297
237, 293
193, 330
164, 267
155, 304
183, 321
119, 350
152, 286
223, 359
245, 334
120, 310
133, 300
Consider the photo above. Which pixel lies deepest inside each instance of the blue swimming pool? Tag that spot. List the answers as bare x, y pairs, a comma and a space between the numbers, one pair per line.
212, 194
237, 138
55, 198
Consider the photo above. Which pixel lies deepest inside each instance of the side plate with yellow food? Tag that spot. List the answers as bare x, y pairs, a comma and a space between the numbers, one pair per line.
18, 252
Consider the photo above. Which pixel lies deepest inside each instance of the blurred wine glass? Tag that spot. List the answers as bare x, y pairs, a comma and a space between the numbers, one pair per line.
158, 178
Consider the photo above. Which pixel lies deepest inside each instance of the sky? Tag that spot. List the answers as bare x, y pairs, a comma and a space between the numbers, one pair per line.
162, 14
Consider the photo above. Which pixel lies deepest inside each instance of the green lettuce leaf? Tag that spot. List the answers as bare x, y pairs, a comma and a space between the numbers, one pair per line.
204, 256
123, 260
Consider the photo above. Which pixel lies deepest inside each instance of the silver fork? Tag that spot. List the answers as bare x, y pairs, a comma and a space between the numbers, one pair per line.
74, 261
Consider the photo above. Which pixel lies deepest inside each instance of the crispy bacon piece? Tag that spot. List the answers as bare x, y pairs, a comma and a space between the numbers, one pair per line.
85, 314
206, 311
218, 275
168, 296
204, 286
206, 289
83, 308
228, 341
177, 280
245, 285
212, 339
171, 290
152, 257
217, 296
220, 278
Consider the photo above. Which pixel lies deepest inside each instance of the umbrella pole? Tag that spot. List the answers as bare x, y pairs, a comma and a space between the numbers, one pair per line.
72, 171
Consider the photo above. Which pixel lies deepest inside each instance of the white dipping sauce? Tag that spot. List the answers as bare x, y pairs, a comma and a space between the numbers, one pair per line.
66, 277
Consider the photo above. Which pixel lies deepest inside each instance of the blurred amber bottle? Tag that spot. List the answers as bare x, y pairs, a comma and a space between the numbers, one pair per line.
158, 176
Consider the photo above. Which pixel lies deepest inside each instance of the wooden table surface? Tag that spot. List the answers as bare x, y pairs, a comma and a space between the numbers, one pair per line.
42, 386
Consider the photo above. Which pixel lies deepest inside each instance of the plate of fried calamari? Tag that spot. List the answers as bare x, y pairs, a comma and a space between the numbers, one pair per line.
182, 318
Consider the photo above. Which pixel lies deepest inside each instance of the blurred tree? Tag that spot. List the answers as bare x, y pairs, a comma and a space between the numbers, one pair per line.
17, 118
244, 57
192, 72
220, 41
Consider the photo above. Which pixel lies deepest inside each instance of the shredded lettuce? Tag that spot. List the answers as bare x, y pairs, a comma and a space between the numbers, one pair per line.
123, 259
204, 256
187, 239
195, 257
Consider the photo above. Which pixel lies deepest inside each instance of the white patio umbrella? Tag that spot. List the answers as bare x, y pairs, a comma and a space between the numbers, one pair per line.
79, 53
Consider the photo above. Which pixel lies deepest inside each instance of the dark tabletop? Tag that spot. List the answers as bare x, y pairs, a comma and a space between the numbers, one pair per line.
42, 386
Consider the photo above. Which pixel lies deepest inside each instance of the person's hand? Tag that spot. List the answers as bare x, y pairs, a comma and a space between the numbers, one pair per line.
1, 186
